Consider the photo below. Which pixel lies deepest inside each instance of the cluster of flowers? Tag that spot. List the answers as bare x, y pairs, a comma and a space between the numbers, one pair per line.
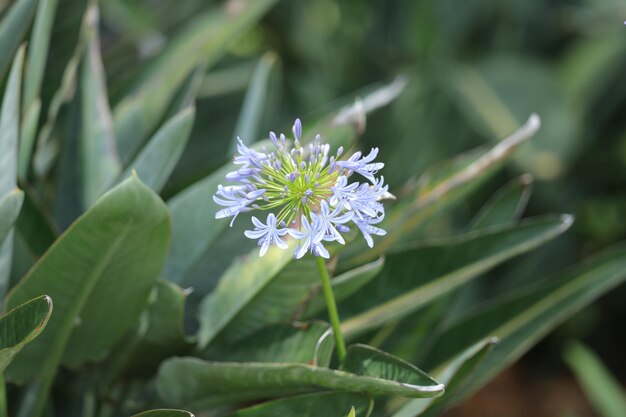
306, 192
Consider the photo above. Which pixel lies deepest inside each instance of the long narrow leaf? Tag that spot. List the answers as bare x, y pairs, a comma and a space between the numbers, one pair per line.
439, 268
12, 30
100, 161
9, 137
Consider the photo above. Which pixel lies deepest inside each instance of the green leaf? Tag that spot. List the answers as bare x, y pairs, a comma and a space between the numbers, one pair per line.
100, 162
10, 206
47, 150
187, 94
38, 46
438, 268
160, 334
344, 285
27, 138
521, 318
229, 80
254, 103
328, 404
194, 227
441, 188
164, 413
21, 325
255, 291
506, 205
9, 135
199, 384
453, 375
602, 389
499, 91
159, 157
98, 275
307, 343
9, 126
205, 39
13, 27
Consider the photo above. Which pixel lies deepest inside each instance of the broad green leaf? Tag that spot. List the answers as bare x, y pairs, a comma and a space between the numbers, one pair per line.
368, 361
205, 39
441, 188
159, 157
506, 205
10, 206
38, 45
13, 27
199, 384
255, 102
453, 375
98, 275
344, 285
521, 318
99, 159
438, 268
46, 150
160, 334
327, 404
21, 325
307, 343
165, 413
603, 389
255, 291
9, 136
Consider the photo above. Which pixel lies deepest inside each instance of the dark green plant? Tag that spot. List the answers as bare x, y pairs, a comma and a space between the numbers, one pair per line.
110, 227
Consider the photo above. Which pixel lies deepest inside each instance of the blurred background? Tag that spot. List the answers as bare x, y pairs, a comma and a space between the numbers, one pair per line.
476, 70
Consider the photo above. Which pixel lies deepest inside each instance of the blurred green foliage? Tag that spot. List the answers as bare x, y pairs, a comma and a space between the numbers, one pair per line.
117, 124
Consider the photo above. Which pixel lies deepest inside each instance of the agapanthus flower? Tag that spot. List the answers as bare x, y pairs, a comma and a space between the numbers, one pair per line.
306, 192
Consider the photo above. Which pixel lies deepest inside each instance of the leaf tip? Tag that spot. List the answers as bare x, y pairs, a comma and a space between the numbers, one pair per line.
566, 221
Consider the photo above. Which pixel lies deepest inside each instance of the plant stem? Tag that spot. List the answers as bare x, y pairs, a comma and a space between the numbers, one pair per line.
332, 309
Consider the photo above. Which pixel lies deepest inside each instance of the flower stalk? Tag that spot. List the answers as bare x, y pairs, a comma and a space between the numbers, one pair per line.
331, 305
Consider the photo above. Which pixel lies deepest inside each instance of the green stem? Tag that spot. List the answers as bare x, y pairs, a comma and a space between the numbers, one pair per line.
332, 309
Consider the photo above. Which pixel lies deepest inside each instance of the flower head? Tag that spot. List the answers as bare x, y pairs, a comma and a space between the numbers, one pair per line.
306, 193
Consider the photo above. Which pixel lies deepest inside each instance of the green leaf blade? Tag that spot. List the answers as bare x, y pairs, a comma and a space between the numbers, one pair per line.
199, 384
442, 267
100, 161
12, 30
21, 325
206, 39
10, 206
9, 137
158, 158
164, 413
99, 288
521, 318
328, 404
602, 389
